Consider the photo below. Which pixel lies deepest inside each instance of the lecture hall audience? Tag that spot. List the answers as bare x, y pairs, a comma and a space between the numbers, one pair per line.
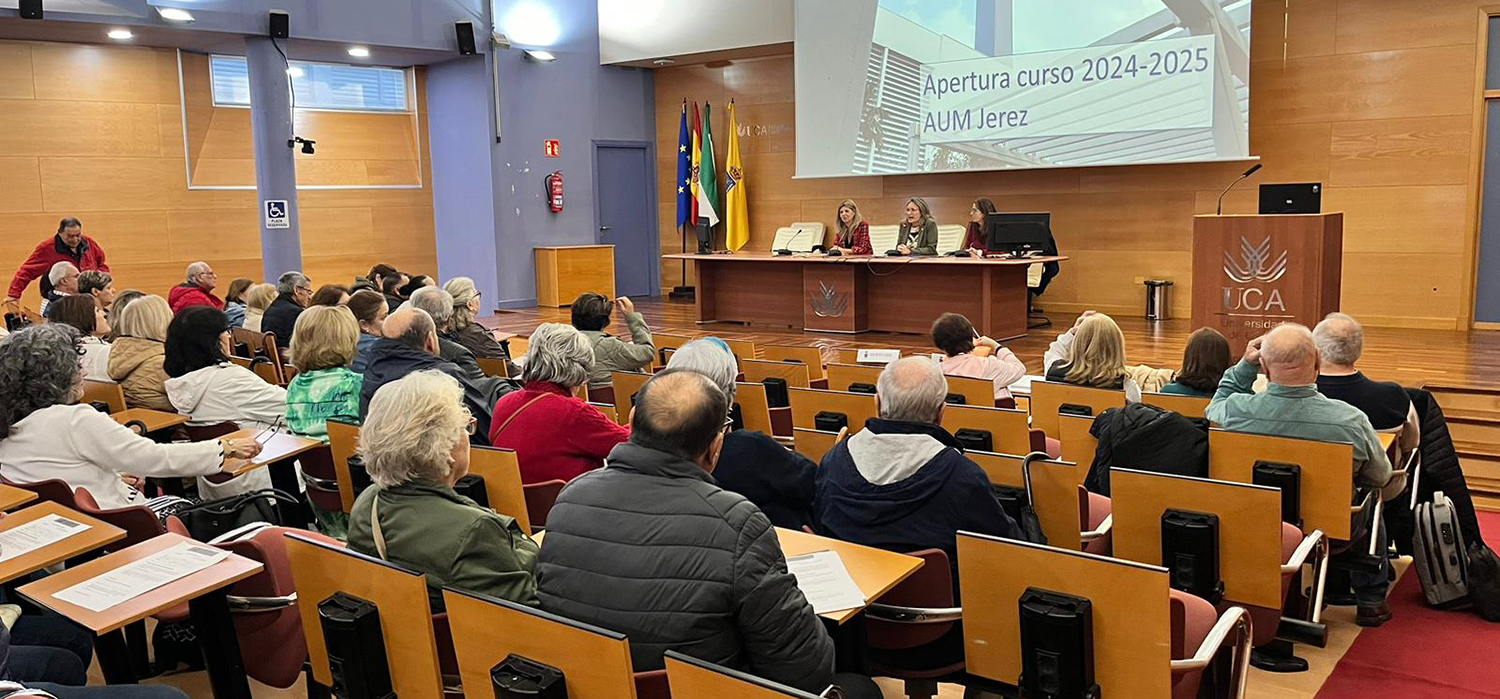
89, 319
410, 344
976, 356
903, 483
556, 435
68, 245
293, 293
98, 284
209, 389
1291, 406
780, 481
391, 286
369, 309
138, 354
439, 305
122, 300
45, 433
197, 289
415, 444
373, 280
1091, 353
650, 547
234, 301
591, 315
1204, 361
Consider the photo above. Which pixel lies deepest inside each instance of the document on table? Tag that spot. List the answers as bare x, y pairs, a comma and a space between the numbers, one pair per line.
35, 534
825, 582
1024, 384
135, 579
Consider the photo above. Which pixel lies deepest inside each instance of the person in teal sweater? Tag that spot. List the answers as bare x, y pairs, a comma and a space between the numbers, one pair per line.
1204, 361
324, 340
1292, 407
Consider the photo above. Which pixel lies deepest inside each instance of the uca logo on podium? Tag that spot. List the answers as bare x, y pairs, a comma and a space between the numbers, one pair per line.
828, 302
1250, 274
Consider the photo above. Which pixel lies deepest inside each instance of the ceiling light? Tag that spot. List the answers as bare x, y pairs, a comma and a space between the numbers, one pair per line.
294, 72
359, 52
540, 56
173, 14
120, 34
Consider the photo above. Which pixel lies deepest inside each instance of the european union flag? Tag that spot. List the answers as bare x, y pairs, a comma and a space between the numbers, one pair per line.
684, 172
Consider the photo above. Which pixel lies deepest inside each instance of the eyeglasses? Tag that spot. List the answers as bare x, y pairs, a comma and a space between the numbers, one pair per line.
728, 424
472, 427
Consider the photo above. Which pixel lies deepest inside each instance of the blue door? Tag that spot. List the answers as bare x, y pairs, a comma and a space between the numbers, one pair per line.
626, 214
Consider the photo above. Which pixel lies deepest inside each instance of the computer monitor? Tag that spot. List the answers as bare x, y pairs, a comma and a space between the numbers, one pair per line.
1297, 198
1018, 234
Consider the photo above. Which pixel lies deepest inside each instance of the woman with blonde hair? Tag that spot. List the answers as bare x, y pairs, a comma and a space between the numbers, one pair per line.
852, 235
919, 232
324, 341
463, 329
1091, 353
136, 360
257, 299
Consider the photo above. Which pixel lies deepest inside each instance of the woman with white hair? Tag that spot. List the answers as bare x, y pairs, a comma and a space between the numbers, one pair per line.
415, 444
463, 329
556, 435
781, 482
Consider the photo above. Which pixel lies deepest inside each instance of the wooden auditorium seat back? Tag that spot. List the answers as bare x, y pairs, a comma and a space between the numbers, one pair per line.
841, 376
1048, 397
1060, 508
813, 444
1009, 431
691, 677
343, 442
107, 392
1187, 406
808, 402
976, 392
626, 385
1327, 470
812, 357
741, 349
1078, 443
501, 471
795, 374
755, 410
667, 341
851, 356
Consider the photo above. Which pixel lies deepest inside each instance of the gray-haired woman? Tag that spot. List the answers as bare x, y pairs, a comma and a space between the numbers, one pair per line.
556, 435
46, 434
415, 443
781, 482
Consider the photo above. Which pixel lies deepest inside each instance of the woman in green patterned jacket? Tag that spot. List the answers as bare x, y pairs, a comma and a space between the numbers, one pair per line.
323, 343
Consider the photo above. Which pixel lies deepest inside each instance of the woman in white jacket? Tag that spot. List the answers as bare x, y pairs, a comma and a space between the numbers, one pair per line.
45, 434
209, 389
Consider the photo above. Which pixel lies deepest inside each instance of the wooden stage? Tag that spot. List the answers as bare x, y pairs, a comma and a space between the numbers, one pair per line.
1408, 356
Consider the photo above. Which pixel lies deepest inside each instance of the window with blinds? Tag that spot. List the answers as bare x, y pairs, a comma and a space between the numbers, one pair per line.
318, 86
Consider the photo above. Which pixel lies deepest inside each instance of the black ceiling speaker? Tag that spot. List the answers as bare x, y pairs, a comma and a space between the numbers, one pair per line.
31, 9
465, 32
281, 24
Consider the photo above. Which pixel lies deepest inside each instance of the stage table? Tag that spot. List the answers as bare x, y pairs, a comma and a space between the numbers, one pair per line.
854, 294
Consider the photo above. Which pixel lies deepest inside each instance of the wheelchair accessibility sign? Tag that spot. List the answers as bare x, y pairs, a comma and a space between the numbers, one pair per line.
276, 214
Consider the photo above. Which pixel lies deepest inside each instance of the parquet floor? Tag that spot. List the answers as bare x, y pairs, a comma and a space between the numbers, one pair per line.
1410, 357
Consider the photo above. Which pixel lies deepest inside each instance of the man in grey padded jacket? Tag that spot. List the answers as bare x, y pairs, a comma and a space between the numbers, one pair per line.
651, 547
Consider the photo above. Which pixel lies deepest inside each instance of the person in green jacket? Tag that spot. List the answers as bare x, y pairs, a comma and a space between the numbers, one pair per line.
324, 341
1204, 361
919, 231
591, 316
415, 444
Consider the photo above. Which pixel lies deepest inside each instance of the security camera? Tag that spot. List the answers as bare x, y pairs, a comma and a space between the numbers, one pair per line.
307, 144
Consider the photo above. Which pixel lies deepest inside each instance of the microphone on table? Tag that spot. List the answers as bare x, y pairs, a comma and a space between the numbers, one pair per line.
788, 249
1220, 209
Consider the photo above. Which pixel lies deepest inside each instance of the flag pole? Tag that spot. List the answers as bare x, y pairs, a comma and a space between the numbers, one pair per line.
683, 291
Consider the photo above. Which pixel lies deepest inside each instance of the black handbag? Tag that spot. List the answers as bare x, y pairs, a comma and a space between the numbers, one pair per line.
210, 519
1031, 524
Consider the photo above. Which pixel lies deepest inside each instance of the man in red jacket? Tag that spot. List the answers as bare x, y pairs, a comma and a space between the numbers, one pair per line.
70, 245
197, 290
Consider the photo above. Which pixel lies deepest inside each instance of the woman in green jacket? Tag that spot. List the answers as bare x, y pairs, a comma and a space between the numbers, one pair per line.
919, 232
324, 341
415, 444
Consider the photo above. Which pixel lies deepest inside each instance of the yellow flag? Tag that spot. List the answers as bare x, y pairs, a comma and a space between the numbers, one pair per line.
736, 209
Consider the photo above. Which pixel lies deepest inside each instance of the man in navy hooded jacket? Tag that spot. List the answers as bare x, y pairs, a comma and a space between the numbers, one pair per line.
903, 483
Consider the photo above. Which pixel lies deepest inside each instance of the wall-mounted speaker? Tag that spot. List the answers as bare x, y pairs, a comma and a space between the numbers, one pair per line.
465, 33
281, 24
31, 9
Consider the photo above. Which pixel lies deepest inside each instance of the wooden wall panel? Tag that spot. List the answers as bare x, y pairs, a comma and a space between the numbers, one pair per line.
1373, 98
96, 132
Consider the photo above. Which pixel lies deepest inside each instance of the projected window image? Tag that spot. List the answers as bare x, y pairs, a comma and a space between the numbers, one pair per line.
996, 84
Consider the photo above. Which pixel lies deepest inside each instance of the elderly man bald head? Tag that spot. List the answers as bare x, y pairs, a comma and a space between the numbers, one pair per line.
1291, 406
412, 327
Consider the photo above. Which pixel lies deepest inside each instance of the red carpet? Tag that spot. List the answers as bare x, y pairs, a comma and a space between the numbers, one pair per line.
1422, 652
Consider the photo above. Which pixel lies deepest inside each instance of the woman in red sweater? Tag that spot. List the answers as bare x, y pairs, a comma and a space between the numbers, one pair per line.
555, 435
974, 239
852, 237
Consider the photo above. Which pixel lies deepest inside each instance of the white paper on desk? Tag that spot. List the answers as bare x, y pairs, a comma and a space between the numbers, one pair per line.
1023, 385
877, 356
825, 582
135, 579
37, 533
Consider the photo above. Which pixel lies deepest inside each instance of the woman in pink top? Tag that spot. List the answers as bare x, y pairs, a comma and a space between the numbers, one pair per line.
972, 355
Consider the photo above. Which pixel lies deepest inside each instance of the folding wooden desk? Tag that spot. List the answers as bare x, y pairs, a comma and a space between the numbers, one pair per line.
12, 497
204, 591
154, 420
279, 451
876, 571
98, 535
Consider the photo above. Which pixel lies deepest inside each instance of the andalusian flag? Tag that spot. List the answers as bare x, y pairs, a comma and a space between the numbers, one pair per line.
684, 171
708, 177
736, 212
696, 153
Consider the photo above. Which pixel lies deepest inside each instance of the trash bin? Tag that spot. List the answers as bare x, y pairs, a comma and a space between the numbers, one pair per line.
1158, 300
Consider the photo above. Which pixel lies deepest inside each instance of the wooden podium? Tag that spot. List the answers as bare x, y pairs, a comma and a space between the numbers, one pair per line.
1254, 272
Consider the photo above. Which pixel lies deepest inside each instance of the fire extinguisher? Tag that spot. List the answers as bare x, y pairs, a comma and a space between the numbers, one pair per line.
554, 188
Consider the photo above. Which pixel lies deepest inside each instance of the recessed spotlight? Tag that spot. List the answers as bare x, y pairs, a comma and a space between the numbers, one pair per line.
173, 14
295, 72
120, 34
540, 56
663, 62
359, 52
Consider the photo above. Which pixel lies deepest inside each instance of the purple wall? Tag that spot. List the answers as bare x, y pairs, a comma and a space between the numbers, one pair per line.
574, 100
461, 130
